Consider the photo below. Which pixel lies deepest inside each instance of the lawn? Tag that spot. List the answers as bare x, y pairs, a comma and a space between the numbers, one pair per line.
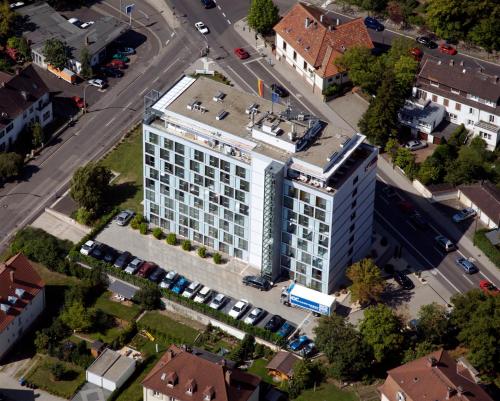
53, 278
40, 375
168, 327
107, 334
258, 368
327, 392
117, 309
126, 159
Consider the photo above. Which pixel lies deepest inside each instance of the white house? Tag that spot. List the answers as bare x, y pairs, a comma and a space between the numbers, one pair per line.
469, 94
24, 99
22, 300
110, 370
310, 41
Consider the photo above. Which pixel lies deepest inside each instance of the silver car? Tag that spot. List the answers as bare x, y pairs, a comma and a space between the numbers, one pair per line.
415, 145
464, 214
124, 217
467, 265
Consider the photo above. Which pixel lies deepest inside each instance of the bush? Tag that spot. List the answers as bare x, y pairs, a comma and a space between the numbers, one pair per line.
83, 216
490, 250
157, 233
136, 222
143, 228
186, 245
217, 258
202, 252
332, 90
171, 239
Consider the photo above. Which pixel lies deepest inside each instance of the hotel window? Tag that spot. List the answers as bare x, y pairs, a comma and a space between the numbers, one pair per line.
198, 156
434, 98
458, 106
292, 192
179, 160
446, 102
308, 210
305, 197
304, 221
179, 148
492, 118
153, 138
150, 160
164, 154
284, 45
148, 148
321, 203
243, 244
214, 162
244, 185
320, 215
224, 165
195, 166
209, 172
294, 55
168, 144
240, 172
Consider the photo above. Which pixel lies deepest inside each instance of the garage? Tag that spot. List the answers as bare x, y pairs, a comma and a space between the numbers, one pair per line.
110, 370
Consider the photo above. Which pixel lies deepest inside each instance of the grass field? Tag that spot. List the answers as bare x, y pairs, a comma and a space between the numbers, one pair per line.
54, 278
168, 327
327, 392
126, 159
258, 368
40, 375
116, 309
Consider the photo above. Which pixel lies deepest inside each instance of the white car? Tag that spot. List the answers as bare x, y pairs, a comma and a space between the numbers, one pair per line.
17, 4
415, 145
98, 83
134, 266
464, 214
85, 25
254, 316
201, 27
87, 247
218, 301
191, 290
203, 295
239, 309
75, 21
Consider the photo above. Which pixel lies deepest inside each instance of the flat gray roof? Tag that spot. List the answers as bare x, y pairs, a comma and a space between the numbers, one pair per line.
125, 290
111, 365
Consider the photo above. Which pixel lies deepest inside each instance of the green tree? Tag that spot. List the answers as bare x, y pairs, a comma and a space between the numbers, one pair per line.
343, 345
148, 297
90, 186
374, 5
486, 33
433, 324
404, 71
302, 378
77, 317
37, 135
262, 16
405, 159
86, 69
56, 53
367, 282
57, 370
22, 47
381, 329
420, 350
7, 18
365, 70
11, 165
391, 147
431, 171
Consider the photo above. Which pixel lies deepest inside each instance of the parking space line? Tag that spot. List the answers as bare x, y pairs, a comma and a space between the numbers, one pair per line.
465, 257
128, 104
308, 316
250, 61
143, 91
171, 65
229, 22
468, 279
167, 42
244, 270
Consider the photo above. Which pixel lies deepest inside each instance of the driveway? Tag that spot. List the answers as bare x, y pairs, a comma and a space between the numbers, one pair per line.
13, 391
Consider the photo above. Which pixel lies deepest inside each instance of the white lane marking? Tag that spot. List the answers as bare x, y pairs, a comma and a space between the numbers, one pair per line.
128, 104
417, 251
244, 270
468, 279
245, 82
156, 79
110, 121
143, 91
465, 257
171, 65
77, 132
167, 42
250, 61
308, 316
229, 22
172, 34
224, 15
219, 8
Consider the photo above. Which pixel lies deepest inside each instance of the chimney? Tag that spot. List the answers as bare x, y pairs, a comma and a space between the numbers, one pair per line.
307, 22
431, 361
321, 18
227, 377
450, 392
338, 22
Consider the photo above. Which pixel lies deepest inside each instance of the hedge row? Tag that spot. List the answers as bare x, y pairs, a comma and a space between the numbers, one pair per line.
490, 250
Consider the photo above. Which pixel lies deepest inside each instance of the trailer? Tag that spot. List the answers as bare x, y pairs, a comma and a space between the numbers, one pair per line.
65, 74
305, 298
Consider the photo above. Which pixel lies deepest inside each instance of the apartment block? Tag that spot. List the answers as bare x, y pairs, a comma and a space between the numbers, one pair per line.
276, 188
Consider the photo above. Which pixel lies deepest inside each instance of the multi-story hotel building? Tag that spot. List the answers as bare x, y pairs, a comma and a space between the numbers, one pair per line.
277, 189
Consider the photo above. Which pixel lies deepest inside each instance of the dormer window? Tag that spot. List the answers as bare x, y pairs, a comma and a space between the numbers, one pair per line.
209, 393
190, 387
400, 396
171, 379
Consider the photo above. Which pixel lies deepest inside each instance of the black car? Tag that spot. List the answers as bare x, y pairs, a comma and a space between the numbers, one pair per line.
257, 281
372, 23
404, 281
419, 221
427, 42
208, 3
110, 255
279, 90
112, 72
122, 261
99, 251
157, 275
274, 323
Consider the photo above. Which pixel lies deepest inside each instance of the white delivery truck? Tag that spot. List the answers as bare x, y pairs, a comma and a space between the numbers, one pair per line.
308, 299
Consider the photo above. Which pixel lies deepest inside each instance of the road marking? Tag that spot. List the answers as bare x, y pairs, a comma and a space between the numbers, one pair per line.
250, 61
245, 82
465, 257
167, 42
244, 270
171, 65
416, 250
411, 225
156, 79
128, 104
143, 91
76, 133
468, 279
435, 229
172, 34
219, 8
111, 121
224, 14
229, 22
486, 277
308, 316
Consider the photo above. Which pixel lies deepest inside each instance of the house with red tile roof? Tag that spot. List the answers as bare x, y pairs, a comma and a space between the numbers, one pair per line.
435, 377
196, 375
310, 41
22, 300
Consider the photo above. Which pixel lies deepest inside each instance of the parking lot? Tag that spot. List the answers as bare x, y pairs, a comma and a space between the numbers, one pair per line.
225, 278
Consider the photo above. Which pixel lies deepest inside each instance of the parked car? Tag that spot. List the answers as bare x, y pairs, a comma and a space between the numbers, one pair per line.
427, 42
157, 275
463, 215
124, 217
372, 23
241, 53
203, 295
419, 221
122, 261
309, 350
146, 269
169, 279
201, 27
447, 49
488, 288
406, 206
127, 51
134, 265
98, 83
78, 101
257, 281
180, 285
110, 255
17, 4
121, 57
111, 72
279, 90
239, 309
274, 323
416, 53
298, 343
285, 330
76, 22
208, 3
218, 301
87, 247
404, 281
85, 25
415, 145
117, 64
445, 244
99, 251
254, 316
467, 265
191, 289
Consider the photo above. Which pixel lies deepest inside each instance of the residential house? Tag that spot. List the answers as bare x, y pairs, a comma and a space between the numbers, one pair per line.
310, 42
436, 377
22, 300
24, 99
197, 375
469, 93
281, 366
484, 198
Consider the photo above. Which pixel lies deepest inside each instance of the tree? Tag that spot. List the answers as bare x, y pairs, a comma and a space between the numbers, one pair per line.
431, 171
7, 18
381, 329
395, 11
21, 45
90, 186
77, 317
301, 378
344, 347
419, 350
56, 53
262, 16
365, 70
11, 165
374, 5
391, 147
37, 135
404, 71
486, 33
433, 324
405, 160
86, 69
148, 297
367, 282
57, 370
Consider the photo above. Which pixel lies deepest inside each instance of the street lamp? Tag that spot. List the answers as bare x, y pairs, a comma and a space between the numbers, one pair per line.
84, 97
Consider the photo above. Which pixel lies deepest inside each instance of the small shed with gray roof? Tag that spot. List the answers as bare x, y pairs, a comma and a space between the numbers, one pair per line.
110, 370
122, 289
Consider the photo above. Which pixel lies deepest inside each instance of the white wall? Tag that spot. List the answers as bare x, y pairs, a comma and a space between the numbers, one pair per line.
93, 378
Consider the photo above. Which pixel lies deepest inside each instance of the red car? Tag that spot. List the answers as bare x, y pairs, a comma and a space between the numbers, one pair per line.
121, 65
406, 206
146, 269
488, 288
242, 54
78, 101
416, 53
444, 48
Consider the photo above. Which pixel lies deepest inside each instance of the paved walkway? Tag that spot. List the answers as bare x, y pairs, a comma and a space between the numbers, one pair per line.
15, 392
